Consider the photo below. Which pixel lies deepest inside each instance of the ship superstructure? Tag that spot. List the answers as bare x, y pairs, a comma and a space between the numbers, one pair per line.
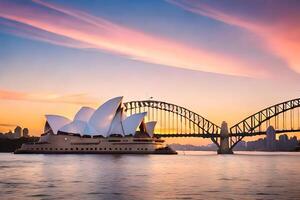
106, 129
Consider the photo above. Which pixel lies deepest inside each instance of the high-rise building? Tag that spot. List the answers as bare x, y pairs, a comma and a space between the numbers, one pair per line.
271, 139
293, 141
25, 132
283, 138
17, 132
283, 143
9, 134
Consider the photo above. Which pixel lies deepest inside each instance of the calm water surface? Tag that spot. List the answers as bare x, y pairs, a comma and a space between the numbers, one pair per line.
189, 175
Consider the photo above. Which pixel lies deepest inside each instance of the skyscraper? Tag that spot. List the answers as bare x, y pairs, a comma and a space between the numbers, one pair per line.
17, 132
25, 132
271, 139
283, 143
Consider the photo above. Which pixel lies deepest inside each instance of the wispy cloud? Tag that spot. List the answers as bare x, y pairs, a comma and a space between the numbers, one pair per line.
8, 125
281, 36
49, 22
81, 99
26, 31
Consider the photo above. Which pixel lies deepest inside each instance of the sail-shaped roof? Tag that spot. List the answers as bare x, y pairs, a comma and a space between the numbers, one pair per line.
116, 125
84, 114
102, 118
56, 122
150, 127
89, 130
131, 123
76, 126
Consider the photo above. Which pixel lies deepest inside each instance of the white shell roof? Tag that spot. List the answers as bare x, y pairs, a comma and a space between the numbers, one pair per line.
106, 120
104, 115
150, 127
74, 127
84, 114
131, 123
89, 130
56, 122
116, 125
79, 124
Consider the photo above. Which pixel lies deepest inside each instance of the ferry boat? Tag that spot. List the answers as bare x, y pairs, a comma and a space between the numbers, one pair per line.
106, 130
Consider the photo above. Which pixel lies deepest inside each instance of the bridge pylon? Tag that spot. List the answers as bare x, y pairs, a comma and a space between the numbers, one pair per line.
224, 140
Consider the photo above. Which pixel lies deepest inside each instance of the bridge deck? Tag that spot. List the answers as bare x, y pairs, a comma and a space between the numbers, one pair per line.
214, 135
209, 135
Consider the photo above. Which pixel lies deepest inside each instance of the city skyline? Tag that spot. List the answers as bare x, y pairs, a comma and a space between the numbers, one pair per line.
223, 60
18, 132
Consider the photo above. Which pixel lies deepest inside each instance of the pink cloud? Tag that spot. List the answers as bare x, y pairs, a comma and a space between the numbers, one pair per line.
281, 37
81, 99
27, 31
83, 30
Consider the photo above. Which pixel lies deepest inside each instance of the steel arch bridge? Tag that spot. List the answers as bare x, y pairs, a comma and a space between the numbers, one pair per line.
177, 121
284, 117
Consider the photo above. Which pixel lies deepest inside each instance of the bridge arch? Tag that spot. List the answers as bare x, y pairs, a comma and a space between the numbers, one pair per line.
276, 115
198, 126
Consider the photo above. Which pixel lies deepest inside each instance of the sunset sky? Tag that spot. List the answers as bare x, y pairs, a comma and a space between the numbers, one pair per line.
222, 59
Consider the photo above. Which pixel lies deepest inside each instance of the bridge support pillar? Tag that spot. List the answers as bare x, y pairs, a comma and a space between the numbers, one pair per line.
224, 143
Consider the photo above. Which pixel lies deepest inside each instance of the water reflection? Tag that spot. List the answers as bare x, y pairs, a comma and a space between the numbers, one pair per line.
189, 175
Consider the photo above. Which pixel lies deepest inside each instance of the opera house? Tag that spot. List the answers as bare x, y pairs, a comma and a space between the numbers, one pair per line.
103, 130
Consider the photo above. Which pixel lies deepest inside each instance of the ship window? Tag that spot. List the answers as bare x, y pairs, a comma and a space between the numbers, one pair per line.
61, 148
138, 149
100, 149
82, 149
87, 148
104, 148
116, 148
91, 148
142, 149
31, 148
120, 148
125, 149
71, 149
130, 149
114, 140
66, 149
37, 148
50, 149
146, 149
109, 148
76, 149
46, 148
42, 148
56, 149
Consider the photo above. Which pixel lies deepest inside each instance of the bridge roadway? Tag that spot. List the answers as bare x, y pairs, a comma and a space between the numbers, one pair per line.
210, 135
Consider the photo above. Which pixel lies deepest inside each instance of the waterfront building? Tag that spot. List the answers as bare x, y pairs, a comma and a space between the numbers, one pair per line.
271, 139
17, 132
283, 142
106, 129
9, 135
25, 132
283, 138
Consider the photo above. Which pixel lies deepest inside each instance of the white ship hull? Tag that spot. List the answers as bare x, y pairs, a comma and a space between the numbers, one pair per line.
58, 144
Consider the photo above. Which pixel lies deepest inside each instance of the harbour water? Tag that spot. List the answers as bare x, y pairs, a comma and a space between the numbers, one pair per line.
189, 175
